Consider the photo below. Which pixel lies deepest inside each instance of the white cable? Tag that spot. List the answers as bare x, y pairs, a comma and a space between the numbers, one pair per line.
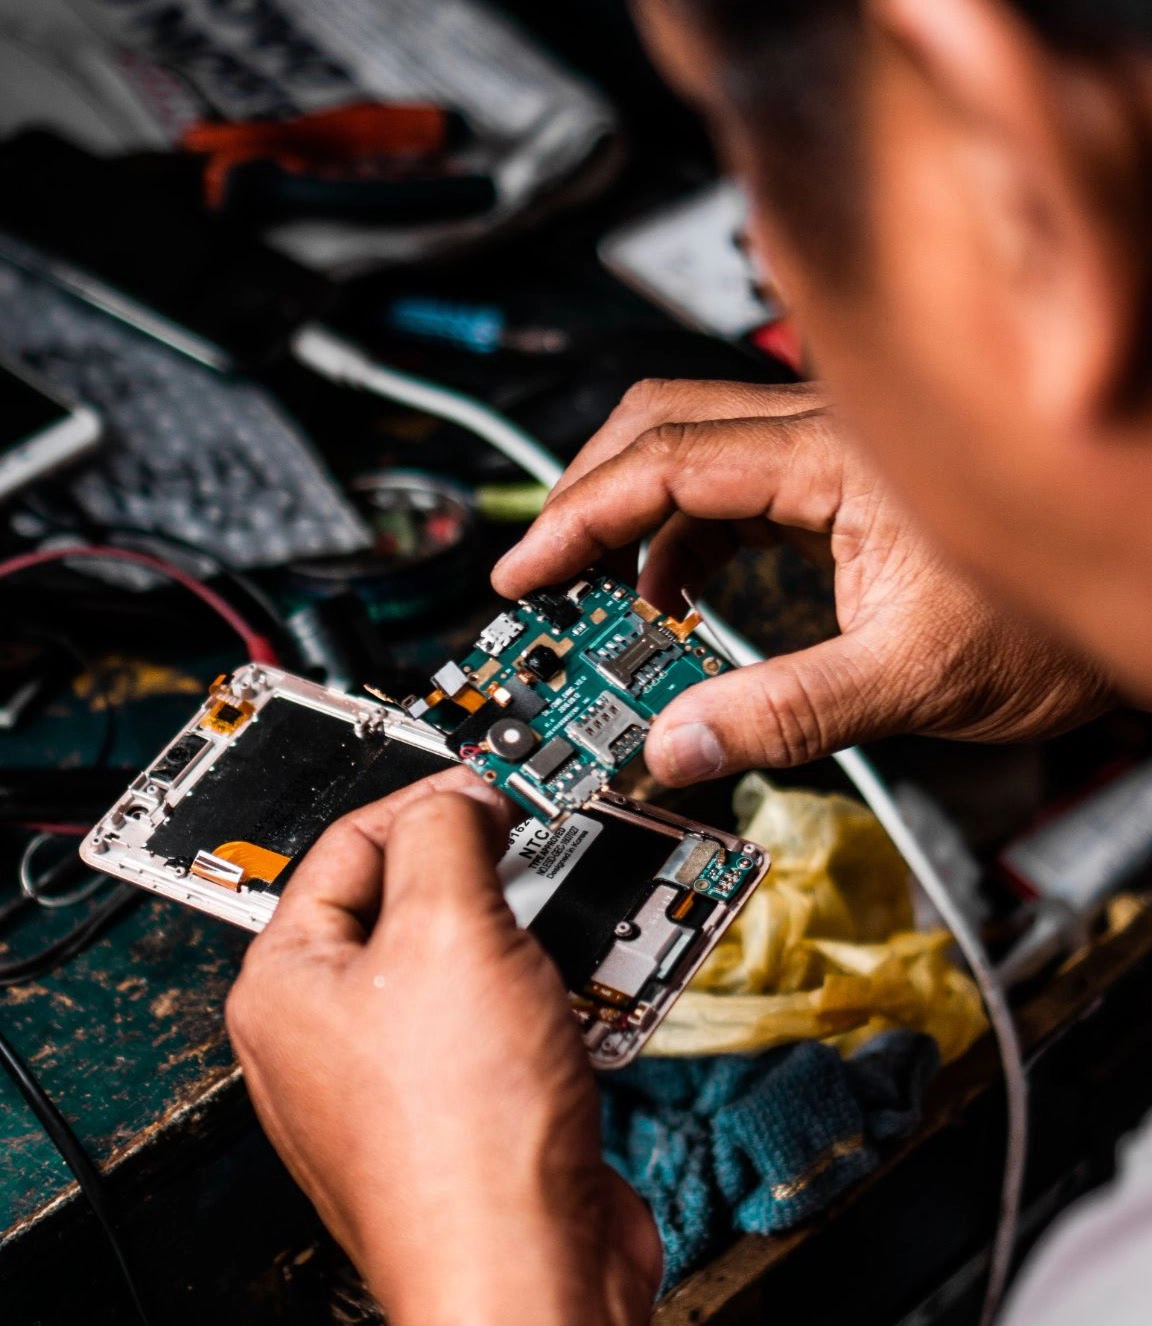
30, 886
868, 783
342, 361
880, 801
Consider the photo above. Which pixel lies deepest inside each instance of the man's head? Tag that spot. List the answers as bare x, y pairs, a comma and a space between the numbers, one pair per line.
955, 197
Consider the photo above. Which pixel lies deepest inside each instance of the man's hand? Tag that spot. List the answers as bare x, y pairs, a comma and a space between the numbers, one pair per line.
412, 1056
705, 467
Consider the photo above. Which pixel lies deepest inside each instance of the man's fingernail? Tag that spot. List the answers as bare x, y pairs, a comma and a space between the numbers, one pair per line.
693, 751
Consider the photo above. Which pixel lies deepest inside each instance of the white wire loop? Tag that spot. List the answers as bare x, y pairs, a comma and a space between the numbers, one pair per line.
31, 886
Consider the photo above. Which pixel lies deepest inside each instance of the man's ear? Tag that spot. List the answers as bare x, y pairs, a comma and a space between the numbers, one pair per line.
1050, 170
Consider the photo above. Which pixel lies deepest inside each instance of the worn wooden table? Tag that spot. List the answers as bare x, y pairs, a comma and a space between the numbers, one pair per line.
128, 1040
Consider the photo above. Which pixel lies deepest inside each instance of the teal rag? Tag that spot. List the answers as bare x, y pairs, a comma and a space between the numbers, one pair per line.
757, 1144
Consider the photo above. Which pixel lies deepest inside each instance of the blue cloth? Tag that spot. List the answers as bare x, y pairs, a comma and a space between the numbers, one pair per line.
757, 1144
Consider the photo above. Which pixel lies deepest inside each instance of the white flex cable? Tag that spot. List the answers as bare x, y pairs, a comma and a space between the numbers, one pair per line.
877, 796
341, 361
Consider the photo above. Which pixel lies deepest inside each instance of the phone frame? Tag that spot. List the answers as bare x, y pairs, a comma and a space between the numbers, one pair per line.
27, 460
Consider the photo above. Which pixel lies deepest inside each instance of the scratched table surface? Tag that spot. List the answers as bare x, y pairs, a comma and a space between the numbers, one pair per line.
127, 1037
123, 1038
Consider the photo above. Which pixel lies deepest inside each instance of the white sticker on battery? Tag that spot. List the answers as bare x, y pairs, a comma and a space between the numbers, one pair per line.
539, 860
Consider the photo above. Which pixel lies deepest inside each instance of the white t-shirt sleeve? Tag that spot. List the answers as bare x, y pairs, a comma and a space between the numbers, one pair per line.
1095, 1263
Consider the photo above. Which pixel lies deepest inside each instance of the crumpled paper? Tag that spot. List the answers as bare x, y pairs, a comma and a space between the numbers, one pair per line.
825, 949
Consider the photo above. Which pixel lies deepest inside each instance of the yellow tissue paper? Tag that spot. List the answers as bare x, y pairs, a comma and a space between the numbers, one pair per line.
824, 949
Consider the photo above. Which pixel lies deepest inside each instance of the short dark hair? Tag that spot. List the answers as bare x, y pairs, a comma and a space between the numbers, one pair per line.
790, 71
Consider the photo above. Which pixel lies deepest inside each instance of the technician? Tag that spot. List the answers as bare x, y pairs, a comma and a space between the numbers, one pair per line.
955, 197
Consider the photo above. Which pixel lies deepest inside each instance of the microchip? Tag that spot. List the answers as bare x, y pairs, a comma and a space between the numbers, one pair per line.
542, 662
226, 715
577, 784
554, 605
525, 704
550, 758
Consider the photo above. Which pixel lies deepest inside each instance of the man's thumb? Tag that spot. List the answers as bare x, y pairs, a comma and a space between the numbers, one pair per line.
787, 711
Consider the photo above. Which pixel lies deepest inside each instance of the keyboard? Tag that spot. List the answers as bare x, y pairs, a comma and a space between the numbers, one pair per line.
191, 452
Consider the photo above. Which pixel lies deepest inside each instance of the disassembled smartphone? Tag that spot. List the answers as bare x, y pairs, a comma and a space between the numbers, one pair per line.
558, 694
626, 898
39, 432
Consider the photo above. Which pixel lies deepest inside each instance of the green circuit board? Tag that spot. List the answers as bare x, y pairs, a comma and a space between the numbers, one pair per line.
559, 692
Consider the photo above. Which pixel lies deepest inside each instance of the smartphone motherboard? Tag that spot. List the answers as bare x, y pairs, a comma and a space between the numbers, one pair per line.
558, 693
626, 898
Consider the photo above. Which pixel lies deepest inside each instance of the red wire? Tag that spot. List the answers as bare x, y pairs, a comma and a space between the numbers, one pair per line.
59, 830
260, 648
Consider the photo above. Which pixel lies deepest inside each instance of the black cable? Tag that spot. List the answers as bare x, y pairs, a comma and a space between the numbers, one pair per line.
55, 874
18, 970
72, 1152
60, 872
78, 522
99, 676
14, 907
256, 595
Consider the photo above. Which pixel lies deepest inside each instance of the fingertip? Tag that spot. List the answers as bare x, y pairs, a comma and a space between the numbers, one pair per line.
684, 749
523, 567
472, 808
462, 780
442, 857
500, 812
334, 892
457, 802
505, 578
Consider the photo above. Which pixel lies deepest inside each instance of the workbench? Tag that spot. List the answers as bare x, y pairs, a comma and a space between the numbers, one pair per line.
128, 1039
